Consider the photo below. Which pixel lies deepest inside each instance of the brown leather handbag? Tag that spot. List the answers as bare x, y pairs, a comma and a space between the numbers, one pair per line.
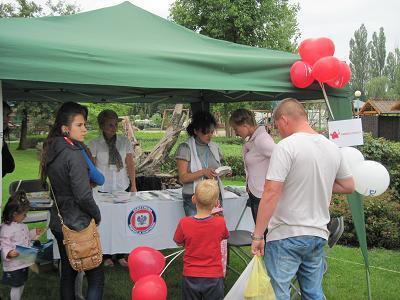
83, 247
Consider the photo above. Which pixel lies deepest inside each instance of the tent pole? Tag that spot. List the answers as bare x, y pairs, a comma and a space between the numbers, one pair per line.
368, 284
2, 139
199, 106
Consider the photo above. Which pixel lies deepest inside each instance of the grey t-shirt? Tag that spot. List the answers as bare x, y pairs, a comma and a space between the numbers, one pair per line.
205, 156
308, 164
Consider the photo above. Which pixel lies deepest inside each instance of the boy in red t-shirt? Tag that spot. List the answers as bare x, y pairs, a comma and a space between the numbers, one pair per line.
201, 235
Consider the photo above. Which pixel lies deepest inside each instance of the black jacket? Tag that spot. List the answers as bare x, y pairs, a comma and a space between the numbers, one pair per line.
69, 177
7, 160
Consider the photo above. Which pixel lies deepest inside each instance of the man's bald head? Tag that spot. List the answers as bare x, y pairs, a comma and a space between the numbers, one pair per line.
292, 108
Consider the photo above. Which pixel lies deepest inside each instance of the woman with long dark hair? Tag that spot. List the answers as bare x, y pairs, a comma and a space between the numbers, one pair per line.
63, 163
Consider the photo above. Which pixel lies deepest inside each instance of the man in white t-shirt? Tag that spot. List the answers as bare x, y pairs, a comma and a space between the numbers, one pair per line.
305, 169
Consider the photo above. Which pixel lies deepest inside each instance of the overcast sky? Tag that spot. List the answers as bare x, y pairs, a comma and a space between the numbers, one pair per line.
334, 19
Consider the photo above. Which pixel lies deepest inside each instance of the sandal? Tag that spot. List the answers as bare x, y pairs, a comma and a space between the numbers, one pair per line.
123, 262
108, 263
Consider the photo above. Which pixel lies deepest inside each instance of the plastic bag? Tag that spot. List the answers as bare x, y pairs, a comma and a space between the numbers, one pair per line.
237, 290
258, 285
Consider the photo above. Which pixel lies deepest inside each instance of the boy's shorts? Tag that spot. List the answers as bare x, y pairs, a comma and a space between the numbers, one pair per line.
15, 278
194, 288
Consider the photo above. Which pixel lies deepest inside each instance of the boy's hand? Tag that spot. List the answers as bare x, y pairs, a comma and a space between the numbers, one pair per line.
12, 254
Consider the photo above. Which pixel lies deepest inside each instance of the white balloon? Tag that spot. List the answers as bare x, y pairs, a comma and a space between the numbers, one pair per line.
371, 178
352, 156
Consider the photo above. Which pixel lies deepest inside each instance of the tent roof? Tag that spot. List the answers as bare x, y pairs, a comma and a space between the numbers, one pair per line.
123, 53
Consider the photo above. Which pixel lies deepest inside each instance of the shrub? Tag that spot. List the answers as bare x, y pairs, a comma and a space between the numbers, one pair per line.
382, 220
236, 163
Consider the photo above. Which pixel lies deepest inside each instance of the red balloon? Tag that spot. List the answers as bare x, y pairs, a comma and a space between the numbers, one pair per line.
300, 74
150, 287
144, 261
311, 50
343, 77
326, 68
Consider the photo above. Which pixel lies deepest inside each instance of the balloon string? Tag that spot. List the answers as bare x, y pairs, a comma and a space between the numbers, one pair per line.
176, 256
172, 254
326, 99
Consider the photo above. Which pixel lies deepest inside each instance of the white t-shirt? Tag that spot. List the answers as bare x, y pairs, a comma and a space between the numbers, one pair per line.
308, 164
114, 180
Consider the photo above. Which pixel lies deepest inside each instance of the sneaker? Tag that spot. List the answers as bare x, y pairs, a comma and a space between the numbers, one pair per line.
108, 263
123, 262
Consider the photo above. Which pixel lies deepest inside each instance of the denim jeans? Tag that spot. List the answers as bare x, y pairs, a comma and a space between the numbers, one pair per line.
302, 256
188, 206
95, 277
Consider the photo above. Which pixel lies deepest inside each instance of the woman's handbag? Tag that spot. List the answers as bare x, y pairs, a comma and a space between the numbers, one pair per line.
83, 247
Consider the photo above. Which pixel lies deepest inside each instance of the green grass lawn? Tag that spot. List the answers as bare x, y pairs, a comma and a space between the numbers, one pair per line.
345, 278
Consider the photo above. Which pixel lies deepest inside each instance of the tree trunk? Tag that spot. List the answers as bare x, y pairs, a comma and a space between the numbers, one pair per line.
129, 131
152, 163
24, 131
228, 132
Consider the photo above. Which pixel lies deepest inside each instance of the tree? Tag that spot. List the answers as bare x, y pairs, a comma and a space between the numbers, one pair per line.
262, 23
378, 88
359, 60
95, 108
392, 69
29, 9
377, 56
269, 24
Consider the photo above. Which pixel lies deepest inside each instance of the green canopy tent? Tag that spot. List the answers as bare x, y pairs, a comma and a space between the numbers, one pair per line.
126, 54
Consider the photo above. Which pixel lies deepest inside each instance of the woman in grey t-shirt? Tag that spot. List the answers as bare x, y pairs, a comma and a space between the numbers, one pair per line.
197, 157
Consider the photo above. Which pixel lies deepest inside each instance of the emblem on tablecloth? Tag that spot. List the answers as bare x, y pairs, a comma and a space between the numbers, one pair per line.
141, 219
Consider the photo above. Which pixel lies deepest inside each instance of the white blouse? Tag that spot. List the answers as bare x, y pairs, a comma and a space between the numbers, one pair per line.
114, 180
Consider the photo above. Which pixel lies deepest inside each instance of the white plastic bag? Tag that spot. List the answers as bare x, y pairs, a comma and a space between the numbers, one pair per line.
237, 290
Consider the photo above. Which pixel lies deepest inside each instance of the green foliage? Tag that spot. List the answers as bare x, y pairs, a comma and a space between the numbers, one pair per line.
156, 119
387, 153
269, 24
95, 108
382, 220
378, 87
372, 72
377, 57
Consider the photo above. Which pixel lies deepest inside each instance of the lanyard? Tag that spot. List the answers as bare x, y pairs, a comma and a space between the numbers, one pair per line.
204, 163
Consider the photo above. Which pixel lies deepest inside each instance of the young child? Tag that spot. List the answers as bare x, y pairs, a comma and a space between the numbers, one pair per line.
201, 236
12, 233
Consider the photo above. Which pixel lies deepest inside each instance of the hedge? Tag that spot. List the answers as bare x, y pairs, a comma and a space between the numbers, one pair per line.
382, 220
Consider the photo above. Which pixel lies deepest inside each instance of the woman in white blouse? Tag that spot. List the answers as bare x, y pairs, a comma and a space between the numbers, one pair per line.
113, 155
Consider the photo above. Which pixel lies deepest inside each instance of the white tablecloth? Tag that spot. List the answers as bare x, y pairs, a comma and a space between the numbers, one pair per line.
150, 219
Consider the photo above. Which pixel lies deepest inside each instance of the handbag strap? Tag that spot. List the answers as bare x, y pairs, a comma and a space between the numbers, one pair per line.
55, 201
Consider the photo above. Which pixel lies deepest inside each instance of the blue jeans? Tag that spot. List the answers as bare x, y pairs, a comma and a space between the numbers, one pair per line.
302, 256
188, 206
95, 277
